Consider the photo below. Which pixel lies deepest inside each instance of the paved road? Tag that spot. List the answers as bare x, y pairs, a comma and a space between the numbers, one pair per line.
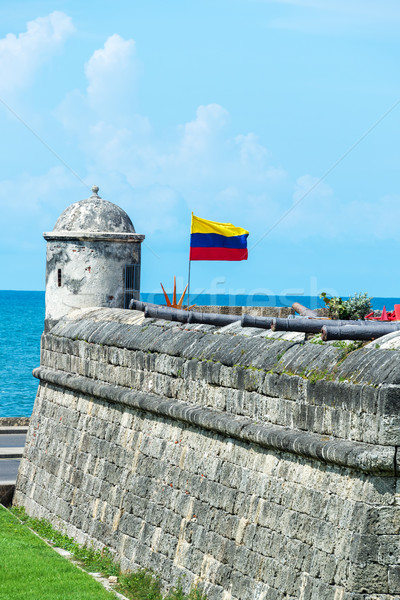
12, 440
8, 469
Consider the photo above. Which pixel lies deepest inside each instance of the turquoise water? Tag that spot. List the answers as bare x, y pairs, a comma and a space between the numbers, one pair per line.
21, 325
260, 300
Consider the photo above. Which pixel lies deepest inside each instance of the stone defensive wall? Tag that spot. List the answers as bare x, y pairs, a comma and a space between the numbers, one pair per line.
258, 465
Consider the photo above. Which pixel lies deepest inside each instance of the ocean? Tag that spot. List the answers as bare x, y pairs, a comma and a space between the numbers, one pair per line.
21, 325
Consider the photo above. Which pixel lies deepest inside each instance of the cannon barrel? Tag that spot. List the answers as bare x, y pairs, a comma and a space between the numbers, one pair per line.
304, 311
315, 325
212, 318
182, 316
356, 332
166, 313
302, 325
139, 305
261, 322
331, 330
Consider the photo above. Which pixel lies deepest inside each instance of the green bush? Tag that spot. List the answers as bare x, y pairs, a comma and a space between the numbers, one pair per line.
141, 585
355, 307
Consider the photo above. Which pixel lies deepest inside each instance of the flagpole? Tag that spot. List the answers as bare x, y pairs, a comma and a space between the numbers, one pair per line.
189, 283
191, 223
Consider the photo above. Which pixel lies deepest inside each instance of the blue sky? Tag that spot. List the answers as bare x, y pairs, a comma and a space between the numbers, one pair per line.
279, 116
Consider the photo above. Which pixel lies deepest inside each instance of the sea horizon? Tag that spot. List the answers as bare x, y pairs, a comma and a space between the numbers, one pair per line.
219, 299
21, 326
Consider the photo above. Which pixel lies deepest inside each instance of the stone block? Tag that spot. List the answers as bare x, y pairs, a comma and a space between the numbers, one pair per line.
363, 580
394, 580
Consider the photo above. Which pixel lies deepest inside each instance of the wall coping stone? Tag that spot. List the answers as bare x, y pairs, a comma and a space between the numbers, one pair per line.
368, 458
90, 236
112, 327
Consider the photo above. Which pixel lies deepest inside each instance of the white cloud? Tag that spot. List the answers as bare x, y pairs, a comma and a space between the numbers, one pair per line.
317, 213
362, 9
104, 115
378, 219
205, 167
202, 160
112, 73
36, 198
311, 188
353, 16
201, 134
251, 151
22, 55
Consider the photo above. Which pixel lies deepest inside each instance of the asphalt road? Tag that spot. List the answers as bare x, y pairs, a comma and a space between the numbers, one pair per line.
8, 469
12, 440
9, 466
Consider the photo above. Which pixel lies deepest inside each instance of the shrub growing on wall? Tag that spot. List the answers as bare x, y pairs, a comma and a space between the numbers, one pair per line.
355, 307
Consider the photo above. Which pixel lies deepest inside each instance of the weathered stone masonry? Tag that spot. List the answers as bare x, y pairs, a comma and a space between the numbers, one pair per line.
259, 467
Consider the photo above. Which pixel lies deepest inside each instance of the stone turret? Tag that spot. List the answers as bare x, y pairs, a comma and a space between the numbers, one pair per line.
93, 258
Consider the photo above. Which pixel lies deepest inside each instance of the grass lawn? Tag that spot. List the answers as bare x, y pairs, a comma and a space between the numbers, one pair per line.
29, 569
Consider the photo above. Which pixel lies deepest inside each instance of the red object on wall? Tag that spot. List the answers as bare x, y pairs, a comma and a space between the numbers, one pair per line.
393, 315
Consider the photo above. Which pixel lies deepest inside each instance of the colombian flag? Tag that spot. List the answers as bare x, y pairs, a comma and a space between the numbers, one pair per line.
210, 240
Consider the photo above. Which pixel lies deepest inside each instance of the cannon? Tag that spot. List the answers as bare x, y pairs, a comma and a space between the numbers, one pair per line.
183, 316
138, 305
260, 322
304, 311
356, 332
168, 314
314, 325
304, 325
330, 330
212, 318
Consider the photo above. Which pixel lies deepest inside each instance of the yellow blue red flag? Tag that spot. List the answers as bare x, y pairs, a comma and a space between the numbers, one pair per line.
210, 240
